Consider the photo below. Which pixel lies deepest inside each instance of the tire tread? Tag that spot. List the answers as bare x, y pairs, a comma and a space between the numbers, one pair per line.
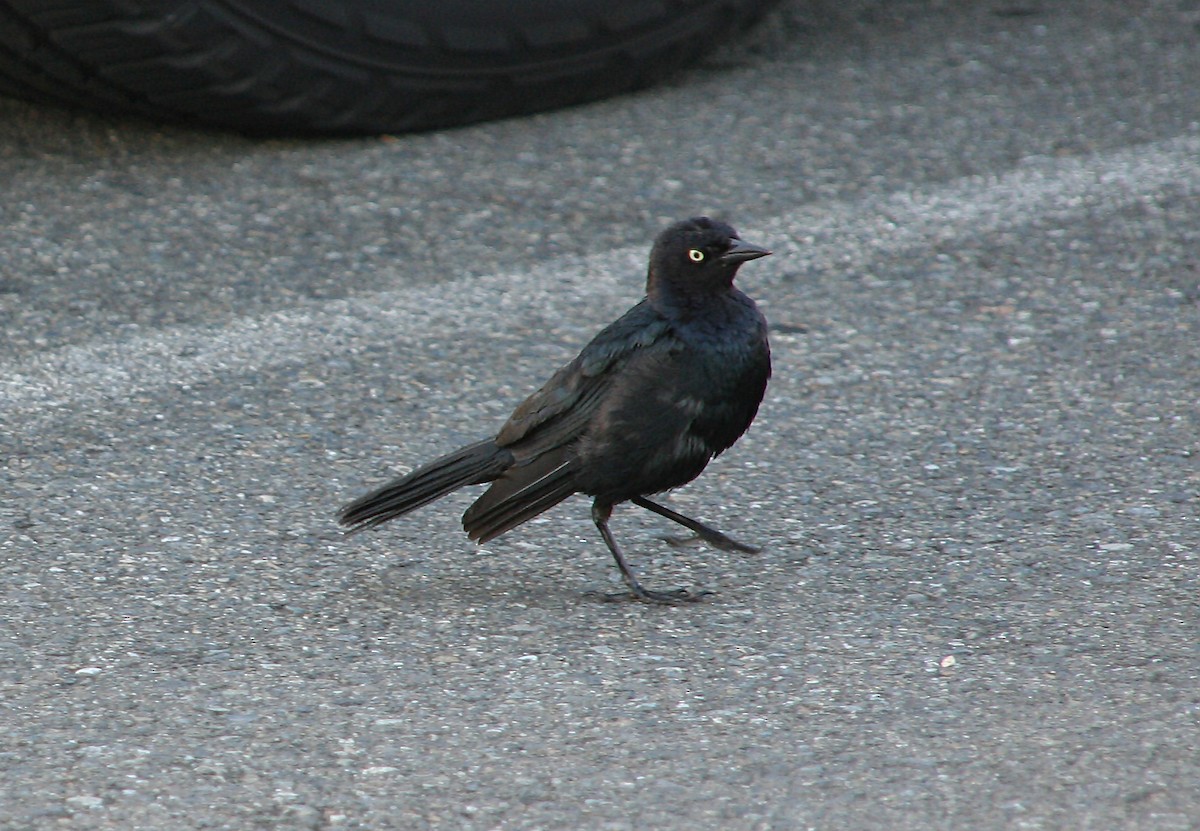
314, 67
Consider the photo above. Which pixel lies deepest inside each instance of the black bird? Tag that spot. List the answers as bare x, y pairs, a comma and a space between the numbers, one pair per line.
643, 408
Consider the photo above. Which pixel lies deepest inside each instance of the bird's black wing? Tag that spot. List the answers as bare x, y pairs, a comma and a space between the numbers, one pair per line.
560, 411
541, 433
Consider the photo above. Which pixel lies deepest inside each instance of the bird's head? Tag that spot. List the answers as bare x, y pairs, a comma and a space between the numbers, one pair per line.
697, 257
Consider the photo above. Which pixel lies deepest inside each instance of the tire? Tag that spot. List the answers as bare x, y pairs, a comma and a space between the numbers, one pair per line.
349, 67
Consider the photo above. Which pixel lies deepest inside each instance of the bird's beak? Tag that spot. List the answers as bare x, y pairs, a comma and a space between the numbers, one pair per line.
740, 252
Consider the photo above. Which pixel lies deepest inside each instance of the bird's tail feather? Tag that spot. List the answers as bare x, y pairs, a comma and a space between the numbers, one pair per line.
519, 495
471, 465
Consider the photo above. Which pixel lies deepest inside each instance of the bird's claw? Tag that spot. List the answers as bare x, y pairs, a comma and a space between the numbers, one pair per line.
672, 597
716, 540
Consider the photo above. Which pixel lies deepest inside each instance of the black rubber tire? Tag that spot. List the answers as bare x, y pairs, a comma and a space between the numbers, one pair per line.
353, 66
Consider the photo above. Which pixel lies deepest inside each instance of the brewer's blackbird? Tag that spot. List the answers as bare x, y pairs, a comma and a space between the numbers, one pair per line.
643, 408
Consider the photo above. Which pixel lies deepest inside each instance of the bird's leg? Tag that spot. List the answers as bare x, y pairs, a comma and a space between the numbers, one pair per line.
601, 512
710, 535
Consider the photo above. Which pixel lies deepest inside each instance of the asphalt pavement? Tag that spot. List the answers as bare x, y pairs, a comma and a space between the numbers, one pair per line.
975, 477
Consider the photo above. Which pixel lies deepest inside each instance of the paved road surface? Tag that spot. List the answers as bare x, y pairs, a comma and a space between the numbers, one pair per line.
976, 476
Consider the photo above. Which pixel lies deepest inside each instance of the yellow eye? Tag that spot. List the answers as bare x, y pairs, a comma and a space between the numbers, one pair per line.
695, 255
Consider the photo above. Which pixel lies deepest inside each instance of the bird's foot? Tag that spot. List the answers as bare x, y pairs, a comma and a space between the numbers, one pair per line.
672, 597
715, 538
